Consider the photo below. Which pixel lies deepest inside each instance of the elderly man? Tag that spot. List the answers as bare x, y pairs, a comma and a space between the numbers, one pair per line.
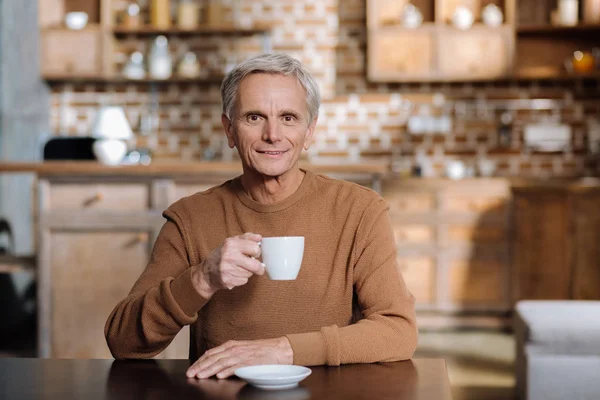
204, 270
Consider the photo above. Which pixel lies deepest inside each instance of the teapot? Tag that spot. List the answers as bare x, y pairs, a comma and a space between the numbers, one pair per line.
463, 18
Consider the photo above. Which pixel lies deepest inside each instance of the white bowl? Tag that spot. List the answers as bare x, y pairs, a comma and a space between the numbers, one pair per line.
76, 20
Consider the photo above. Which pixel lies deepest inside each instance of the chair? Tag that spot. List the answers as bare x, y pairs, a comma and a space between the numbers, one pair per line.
558, 350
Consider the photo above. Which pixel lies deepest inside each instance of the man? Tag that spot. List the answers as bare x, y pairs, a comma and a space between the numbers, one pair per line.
204, 270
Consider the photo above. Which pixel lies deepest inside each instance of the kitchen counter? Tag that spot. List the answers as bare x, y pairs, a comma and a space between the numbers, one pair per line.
53, 168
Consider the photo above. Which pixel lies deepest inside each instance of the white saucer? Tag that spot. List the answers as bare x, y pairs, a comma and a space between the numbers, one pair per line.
273, 377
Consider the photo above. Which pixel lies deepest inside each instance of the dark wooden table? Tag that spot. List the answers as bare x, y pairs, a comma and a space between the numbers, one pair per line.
30, 378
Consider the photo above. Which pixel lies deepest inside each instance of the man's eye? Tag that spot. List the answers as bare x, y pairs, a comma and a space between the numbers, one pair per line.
253, 118
288, 118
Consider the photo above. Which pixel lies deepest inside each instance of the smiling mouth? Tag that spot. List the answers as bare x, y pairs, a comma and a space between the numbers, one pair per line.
271, 152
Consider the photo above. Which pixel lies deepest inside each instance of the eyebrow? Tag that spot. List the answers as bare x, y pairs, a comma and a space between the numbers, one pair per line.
285, 111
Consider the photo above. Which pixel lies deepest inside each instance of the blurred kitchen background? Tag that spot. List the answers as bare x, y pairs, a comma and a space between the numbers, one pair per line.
484, 115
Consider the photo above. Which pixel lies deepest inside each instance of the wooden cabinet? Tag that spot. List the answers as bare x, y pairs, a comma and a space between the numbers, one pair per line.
108, 263
436, 50
476, 53
66, 52
453, 248
394, 51
95, 239
557, 242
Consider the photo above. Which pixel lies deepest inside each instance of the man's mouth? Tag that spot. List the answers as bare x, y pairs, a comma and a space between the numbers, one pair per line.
271, 152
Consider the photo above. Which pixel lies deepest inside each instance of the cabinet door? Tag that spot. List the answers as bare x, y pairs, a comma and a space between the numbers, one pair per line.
72, 52
400, 54
541, 246
479, 53
90, 272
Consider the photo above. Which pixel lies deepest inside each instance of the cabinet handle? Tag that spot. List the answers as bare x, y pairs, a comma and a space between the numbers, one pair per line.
94, 199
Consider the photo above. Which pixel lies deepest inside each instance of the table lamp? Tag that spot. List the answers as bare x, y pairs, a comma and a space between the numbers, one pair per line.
111, 130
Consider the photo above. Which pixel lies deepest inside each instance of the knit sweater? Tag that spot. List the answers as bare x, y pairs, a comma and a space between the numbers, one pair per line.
349, 254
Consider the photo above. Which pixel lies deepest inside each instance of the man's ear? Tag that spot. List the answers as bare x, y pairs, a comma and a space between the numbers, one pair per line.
309, 134
229, 130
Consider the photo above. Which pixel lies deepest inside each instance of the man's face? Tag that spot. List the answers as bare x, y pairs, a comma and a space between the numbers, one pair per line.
270, 124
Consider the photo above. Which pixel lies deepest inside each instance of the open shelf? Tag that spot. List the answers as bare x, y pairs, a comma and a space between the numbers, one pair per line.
552, 29
53, 79
201, 31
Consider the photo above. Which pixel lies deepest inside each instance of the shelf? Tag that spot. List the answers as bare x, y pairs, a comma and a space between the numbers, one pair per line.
555, 76
552, 29
201, 31
54, 79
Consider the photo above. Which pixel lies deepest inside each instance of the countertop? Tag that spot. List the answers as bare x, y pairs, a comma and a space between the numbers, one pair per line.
53, 168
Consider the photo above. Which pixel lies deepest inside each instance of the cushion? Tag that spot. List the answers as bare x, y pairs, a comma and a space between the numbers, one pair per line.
561, 327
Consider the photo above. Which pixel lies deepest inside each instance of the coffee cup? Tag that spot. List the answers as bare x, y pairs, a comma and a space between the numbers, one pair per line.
282, 256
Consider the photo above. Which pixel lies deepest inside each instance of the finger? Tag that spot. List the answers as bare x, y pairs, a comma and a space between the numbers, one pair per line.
255, 237
252, 265
227, 372
236, 247
221, 362
202, 361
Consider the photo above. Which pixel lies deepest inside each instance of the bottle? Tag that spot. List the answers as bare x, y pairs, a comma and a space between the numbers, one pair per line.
161, 62
187, 14
160, 14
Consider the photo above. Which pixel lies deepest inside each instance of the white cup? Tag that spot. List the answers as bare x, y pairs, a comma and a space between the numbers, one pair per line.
282, 256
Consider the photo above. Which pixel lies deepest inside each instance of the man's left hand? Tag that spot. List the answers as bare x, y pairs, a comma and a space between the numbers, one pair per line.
223, 360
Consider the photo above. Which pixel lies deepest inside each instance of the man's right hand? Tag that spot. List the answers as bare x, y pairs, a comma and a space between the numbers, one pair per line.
228, 266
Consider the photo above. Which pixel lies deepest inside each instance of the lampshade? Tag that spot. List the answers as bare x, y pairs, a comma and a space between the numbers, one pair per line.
111, 123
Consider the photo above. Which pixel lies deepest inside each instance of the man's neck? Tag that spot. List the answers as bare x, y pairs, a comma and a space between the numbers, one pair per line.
271, 190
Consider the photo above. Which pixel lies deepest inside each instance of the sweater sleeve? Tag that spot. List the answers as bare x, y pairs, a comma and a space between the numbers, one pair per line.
161, 302
388, 331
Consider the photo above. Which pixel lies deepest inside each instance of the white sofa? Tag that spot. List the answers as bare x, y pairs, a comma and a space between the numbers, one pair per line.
558, 350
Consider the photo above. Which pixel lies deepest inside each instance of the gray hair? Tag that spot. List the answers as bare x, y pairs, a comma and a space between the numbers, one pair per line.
271, 63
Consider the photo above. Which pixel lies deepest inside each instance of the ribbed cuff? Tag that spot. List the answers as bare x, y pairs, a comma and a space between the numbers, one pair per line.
309, 348
188, 300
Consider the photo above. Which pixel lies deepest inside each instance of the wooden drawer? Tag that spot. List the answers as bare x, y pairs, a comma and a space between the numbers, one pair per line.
99, 196
478, 280
410, 202
413, 234
495, 205
479, 53
419, 275
475, 234
396, 53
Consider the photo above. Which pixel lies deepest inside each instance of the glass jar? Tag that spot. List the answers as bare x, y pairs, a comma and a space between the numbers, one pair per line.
132, 18
188, 14
160, 14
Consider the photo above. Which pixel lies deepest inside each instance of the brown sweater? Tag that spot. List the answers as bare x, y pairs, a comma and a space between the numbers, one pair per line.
349, 250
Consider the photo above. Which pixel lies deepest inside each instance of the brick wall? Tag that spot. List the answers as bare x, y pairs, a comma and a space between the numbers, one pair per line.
358, 119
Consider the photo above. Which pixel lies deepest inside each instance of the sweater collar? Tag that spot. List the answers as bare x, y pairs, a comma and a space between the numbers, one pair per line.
279, 206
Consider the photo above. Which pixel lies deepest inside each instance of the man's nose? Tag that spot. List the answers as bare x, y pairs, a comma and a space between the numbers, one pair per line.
271, 132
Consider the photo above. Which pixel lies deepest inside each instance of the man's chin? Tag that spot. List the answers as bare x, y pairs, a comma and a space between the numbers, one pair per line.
273, 171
